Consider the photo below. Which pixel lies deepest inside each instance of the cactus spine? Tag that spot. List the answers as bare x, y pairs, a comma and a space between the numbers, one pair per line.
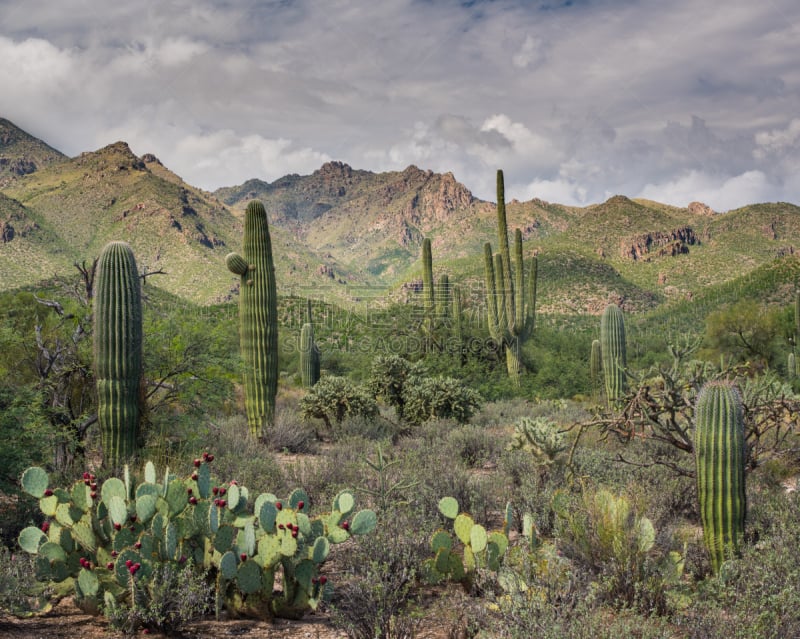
612, 348
309, 352
511, 307
118, 351
719, 444
258, 318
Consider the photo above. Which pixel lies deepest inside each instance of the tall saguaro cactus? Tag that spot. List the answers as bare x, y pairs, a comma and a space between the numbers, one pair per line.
719, 446
258, 318
511, 306
118, 351
612, 349
309, 352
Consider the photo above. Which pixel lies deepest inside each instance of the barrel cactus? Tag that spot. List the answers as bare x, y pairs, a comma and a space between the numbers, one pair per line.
720, 450
118, 351
612, 349
258, 318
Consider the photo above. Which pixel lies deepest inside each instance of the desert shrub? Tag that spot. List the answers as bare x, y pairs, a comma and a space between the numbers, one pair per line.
20, 594
388, 377
242, 457
373, 427
607, 535
167, 602
380, 598
290, 434
473, 445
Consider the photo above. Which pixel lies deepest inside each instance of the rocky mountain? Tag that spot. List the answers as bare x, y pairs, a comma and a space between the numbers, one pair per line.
346, 235
21, 153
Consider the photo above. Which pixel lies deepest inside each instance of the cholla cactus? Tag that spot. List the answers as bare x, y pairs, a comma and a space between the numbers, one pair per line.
540, 437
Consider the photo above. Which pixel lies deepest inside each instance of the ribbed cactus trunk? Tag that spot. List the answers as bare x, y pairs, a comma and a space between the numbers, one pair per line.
457, 312
791, 366
612, 348
118, 352
720, 449
258, 318
428, 294
309, 352
595, 363
443, 302
511, 307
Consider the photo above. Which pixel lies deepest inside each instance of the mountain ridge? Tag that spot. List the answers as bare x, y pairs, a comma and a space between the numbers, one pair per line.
340, 231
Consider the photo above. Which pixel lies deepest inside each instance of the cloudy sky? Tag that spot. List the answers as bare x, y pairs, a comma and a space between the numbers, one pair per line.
577, 100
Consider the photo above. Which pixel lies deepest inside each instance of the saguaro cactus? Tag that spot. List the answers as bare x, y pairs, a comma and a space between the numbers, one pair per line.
719, 446
511, 307
612, 349
309, 352
595, 362
258, 318
118, 351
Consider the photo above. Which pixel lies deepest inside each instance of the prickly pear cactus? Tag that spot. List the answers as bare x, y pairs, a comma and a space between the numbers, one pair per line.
457, 556
105, 542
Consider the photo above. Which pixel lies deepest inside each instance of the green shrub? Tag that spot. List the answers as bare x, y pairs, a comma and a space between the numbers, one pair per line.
440, 397
333, 398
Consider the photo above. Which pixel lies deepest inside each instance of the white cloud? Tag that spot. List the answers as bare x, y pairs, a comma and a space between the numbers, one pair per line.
720, 193
530, 54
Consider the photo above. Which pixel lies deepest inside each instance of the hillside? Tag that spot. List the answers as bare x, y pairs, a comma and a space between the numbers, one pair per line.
346, 235
21, 153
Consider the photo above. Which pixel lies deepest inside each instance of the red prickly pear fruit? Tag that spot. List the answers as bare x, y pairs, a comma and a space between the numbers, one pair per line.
85, 475
93, 495
182, 560
93, 485
243, 556
197, 463
194, 476
294, 534
128, 563
137, 545
314, 580
223, 503
346, 525
281, 526
88, 482
215, 490
114, 553
323, 579
193, 500
188, 491
132, 570
278, 505
205, 455
300, 505
145, 631
132, 528
234, 482
110, 565
210, 459
117, 526
48, 492
222, 491
45, 526
92, 477
132, 517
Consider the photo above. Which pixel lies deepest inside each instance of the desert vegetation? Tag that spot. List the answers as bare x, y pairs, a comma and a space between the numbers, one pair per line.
457, 463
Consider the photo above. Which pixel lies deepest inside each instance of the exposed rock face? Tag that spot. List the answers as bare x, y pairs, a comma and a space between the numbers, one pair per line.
698, 208
663, 243
18, 166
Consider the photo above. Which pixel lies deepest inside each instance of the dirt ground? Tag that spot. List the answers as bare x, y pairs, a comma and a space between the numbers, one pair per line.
66, 621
